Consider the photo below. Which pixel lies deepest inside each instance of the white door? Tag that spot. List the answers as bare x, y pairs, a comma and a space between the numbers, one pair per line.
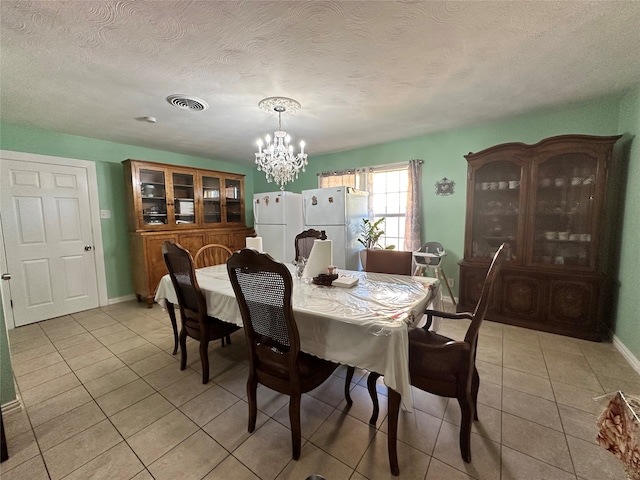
324, 206
48, 238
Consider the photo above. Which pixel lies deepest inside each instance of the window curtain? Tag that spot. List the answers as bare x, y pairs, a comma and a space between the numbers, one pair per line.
412, 241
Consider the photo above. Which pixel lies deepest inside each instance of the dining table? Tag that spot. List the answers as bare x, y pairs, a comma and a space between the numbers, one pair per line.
364, 326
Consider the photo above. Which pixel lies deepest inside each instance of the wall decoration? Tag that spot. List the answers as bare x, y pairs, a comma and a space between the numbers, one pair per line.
445, 187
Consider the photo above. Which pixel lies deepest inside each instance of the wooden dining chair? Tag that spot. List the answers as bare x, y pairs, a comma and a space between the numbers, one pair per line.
446, 367
212, 254
263, 289
395, 262
304, 242
193, 307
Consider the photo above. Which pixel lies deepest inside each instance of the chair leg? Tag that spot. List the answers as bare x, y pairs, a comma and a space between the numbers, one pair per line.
475, 387
347, 385
446, 282
392, 435
373, 393
252, 386
183, 349
228, 339
204, 358
294, 421
172, 316
466, 407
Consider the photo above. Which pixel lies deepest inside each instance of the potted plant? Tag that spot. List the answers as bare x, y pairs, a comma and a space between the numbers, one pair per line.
370, 237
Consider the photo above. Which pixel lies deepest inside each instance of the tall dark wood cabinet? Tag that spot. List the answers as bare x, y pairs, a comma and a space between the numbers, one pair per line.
190, 206
553, 202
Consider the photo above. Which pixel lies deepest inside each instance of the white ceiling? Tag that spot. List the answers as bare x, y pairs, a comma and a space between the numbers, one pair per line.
365, 72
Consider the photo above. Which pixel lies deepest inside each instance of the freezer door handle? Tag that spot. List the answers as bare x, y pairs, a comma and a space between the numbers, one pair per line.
304, 211
256, 202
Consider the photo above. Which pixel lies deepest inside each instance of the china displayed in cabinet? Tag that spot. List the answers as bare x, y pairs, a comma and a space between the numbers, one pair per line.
190, 206
553, 202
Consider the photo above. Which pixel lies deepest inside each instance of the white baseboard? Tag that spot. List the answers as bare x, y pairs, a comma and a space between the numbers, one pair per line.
626, 353
12, 406
124, 298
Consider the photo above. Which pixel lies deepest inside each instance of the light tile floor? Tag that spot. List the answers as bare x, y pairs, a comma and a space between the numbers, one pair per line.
104, 398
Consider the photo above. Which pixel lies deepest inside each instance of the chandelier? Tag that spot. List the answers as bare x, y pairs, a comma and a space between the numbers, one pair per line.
276, 158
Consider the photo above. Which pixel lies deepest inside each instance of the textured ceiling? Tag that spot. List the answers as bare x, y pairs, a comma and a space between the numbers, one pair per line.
365, 72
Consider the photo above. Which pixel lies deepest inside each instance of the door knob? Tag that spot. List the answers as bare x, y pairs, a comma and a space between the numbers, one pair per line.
6, 276
87, 248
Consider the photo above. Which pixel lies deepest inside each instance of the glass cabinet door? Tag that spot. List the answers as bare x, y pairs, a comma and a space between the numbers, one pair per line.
212, 210
232, 193
496, 208
564, 209
183, 198
154, 197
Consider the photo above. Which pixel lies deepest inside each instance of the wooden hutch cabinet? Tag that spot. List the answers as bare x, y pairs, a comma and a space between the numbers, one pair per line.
553, 202
192, 207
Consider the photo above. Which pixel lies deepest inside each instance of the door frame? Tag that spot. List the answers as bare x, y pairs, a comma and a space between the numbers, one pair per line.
96, 226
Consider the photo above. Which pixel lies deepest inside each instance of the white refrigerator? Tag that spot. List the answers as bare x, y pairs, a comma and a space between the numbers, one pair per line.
339, 212
277, 218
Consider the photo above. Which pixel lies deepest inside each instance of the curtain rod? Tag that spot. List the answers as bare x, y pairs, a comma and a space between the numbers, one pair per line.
370, 168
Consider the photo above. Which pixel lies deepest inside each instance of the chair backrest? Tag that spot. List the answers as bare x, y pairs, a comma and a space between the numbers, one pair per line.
263, 289
483, 303
435, 248
212, 254
183, 276
397, 262
304, 242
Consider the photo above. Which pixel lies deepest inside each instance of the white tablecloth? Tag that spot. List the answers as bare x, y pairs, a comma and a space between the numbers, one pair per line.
365, 326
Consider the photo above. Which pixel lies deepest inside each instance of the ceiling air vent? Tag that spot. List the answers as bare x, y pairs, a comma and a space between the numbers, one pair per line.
186, 102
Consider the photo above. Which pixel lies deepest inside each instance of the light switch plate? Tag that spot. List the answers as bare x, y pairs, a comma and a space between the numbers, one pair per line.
105, 213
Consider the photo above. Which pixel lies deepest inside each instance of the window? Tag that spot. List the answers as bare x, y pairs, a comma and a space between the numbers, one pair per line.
387, 187
388, 198
346, 178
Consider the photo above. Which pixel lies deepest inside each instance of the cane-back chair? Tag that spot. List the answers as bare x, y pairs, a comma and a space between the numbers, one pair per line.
263, 289
304, 242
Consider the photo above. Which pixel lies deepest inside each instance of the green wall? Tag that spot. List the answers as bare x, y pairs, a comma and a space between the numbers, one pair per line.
627, 327
443, 154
